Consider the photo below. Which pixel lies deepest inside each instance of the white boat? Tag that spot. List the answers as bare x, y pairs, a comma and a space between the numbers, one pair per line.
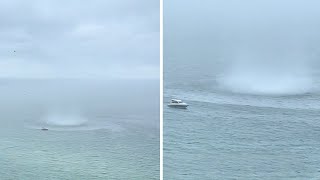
177, 103
44, 129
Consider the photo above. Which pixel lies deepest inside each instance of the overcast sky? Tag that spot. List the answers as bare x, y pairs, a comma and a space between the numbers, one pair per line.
225, 27
75, 39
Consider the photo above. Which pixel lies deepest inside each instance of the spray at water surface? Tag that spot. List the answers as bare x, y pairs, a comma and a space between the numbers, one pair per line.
65, 120
268, 55
268, 76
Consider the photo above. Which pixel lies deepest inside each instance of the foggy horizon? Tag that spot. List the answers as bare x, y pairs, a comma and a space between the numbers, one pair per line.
259, 47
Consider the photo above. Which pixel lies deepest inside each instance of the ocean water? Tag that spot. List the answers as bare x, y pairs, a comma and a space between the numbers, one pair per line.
242, 125
97, 129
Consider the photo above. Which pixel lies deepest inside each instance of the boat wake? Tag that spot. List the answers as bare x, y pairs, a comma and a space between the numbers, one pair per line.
288, 102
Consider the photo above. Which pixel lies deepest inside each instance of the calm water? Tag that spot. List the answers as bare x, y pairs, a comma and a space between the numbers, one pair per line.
97, 129
237, 135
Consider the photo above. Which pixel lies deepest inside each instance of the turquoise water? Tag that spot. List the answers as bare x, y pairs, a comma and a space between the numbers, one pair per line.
96, 129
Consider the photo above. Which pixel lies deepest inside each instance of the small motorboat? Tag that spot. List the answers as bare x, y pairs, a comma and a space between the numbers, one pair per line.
177, 103
44, 129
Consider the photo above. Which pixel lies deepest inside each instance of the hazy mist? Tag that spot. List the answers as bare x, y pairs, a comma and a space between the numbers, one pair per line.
258, 47
68, 62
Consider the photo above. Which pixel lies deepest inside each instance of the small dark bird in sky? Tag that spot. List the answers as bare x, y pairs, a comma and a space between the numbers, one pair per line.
14, 51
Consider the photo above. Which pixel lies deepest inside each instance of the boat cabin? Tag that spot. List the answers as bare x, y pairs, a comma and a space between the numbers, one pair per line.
176, 101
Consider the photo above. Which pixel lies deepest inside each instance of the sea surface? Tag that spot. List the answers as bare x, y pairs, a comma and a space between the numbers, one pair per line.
264, 128
98, 129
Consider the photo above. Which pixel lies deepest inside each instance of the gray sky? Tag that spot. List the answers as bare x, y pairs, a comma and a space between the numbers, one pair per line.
79, 39
211, 27
268, 46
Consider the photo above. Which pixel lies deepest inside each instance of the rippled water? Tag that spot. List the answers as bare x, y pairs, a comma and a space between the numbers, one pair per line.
237, 135
96, 129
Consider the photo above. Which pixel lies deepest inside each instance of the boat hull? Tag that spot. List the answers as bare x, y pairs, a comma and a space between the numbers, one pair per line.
182, 106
